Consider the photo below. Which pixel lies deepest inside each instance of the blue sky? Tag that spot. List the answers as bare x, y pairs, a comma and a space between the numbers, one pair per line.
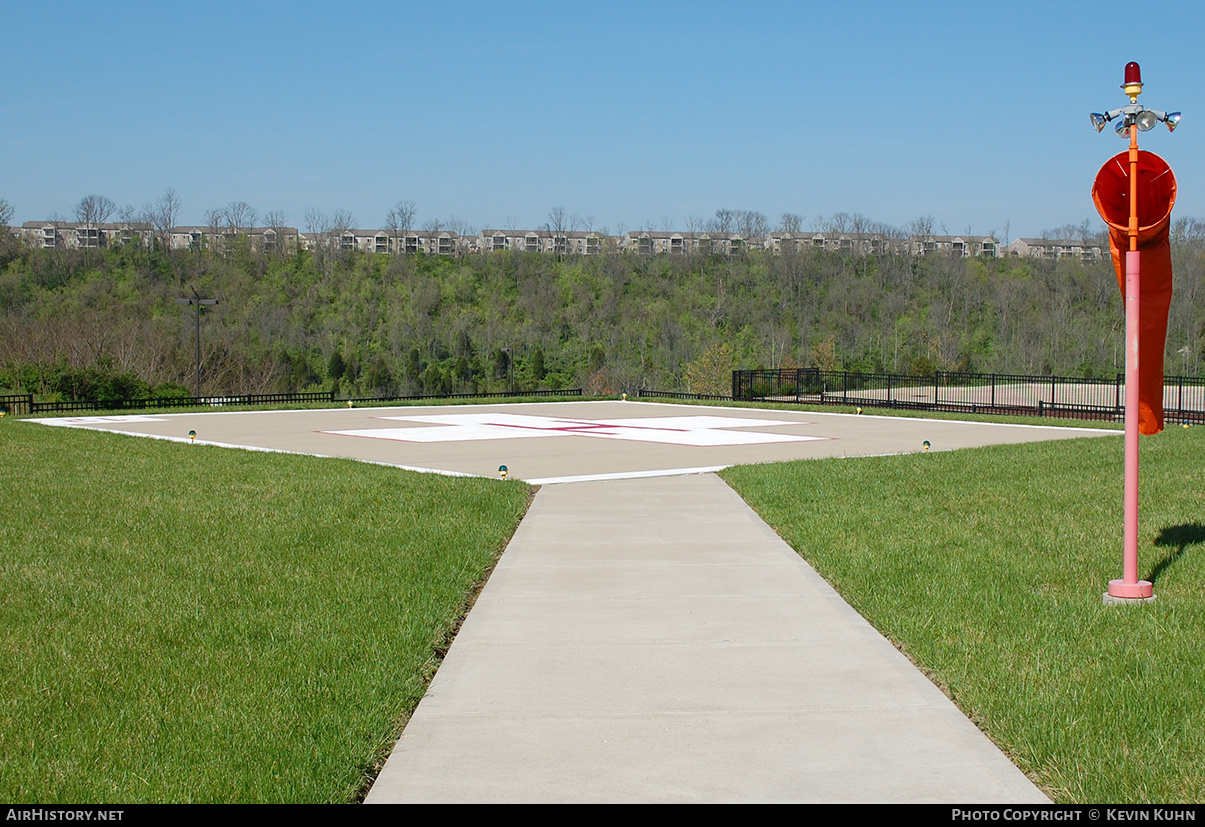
633, 113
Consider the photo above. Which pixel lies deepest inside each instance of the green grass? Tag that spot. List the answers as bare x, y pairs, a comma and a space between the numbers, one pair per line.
987, 566
185, 623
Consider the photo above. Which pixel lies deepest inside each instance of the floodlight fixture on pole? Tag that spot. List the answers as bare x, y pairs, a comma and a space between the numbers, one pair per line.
510, 367
197, 301
1135, 114
1117, 179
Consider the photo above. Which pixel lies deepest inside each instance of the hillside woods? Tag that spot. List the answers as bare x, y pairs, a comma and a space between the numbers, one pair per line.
88, 323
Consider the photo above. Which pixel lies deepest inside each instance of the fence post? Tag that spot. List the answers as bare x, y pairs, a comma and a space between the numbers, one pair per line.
993, 390
936, 383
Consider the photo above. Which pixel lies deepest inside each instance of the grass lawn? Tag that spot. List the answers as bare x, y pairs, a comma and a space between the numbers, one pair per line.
987, 567
186, 623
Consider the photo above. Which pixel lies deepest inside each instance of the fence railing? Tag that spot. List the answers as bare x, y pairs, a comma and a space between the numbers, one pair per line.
16, 403
646, 393
998, 393
25, 404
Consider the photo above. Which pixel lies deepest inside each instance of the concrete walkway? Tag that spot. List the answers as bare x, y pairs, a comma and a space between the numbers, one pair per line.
652, 640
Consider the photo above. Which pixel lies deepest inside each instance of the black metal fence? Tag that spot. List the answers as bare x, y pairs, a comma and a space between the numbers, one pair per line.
497, 395
25, 404
707, 397
16, 403
993, 393
157, 403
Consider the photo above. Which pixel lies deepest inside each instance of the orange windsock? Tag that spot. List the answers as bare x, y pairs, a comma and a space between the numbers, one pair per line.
1156, 196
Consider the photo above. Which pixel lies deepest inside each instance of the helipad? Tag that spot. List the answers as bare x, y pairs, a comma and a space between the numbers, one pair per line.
569, 441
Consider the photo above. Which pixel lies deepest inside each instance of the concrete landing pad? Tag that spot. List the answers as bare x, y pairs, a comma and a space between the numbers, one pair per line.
570, 441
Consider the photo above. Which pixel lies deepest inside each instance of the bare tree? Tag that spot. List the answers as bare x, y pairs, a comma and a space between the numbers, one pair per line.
558, 228
694, 226
277, 222
920, 232
400, 220
884, 229
460, 228
162, 216
276, 219
7, 239
215, 222
341, 221
752, 225
724, 221
922, 226
790, 223
316, 221
128, 216
241, 218
92, 211
837, 223
169, 208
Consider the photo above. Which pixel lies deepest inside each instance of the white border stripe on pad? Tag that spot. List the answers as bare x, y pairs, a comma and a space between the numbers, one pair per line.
627, 475
185, 440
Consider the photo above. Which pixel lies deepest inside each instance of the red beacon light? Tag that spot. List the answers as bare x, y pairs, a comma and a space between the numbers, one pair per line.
1133, 81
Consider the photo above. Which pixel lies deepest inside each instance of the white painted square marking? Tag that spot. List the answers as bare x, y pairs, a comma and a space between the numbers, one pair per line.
697, 431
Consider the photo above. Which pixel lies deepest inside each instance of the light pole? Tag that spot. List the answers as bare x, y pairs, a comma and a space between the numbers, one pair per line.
510, 366
1116, 193
197, 301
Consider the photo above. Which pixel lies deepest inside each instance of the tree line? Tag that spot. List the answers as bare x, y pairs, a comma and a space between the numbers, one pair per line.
85, 323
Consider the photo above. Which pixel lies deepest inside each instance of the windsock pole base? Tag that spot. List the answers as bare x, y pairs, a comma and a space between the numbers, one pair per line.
1123, 592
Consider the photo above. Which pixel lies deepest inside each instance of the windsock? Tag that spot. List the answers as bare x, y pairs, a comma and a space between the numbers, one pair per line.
1156, 196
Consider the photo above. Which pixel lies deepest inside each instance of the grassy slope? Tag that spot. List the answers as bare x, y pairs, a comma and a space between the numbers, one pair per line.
183, 623
987, 568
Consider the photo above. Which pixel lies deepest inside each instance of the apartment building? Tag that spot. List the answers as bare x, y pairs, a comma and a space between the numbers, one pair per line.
1081, 249
70, 235
267, 239
443, 243
653, 242
865, 243
957, 245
